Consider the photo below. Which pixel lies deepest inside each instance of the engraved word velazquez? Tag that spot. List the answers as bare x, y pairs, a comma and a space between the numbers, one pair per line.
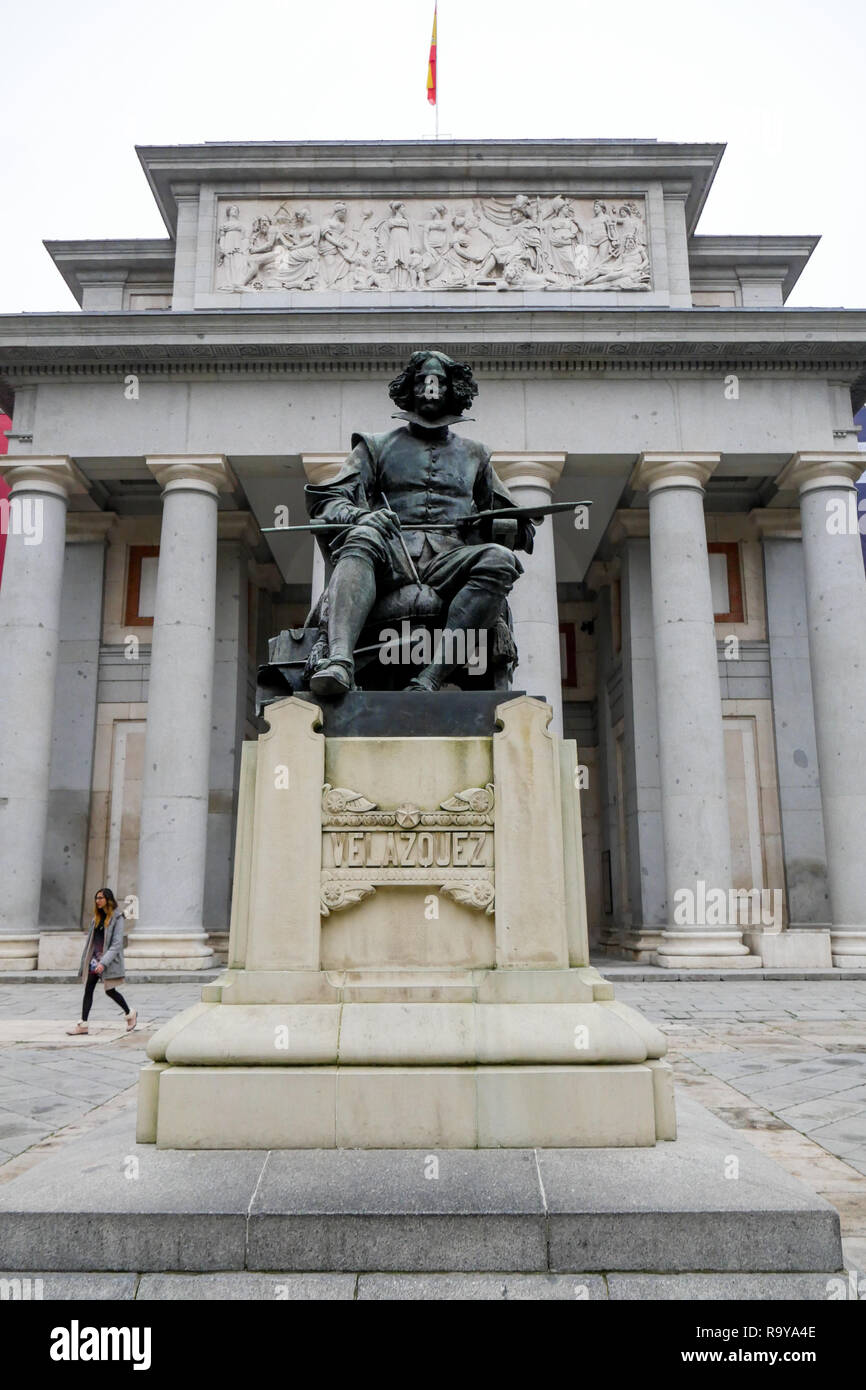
365, 847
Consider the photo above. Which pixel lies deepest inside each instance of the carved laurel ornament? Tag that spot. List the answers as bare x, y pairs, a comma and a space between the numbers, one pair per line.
539, 242
344, 808
337, 893
336, 800
477, 799
473, 892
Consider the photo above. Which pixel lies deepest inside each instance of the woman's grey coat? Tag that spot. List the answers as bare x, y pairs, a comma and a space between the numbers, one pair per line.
112, 951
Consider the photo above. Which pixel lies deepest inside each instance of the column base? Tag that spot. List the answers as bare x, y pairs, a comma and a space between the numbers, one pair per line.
169, 950
791, 949
848, 945
704, 948
19, 951
633, 943
60, 950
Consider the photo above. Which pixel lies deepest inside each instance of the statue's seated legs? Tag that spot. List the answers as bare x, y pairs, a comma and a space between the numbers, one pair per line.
473, 579
352, 593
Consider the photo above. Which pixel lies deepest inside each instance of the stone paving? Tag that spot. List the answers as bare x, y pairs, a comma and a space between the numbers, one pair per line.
48, 1081
783, 1062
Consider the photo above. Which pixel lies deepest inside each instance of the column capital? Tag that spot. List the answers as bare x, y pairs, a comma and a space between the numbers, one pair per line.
776, 523
835, 468
528, 469
688, 469
55, 474
239, 526
88, 527
321, 468
193, 472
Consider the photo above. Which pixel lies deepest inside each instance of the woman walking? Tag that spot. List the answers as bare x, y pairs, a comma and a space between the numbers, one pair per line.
103, 959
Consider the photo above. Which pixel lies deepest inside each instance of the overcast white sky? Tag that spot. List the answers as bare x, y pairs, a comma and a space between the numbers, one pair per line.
83, 81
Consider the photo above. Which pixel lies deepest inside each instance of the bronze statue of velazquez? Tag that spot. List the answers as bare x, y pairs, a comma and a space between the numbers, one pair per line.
408, 537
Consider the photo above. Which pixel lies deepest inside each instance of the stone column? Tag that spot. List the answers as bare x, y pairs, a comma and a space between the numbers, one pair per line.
30, 598
238, 536
697, 836
72, 742
170, 933
530, 478
835, 609
629, 537
320, 468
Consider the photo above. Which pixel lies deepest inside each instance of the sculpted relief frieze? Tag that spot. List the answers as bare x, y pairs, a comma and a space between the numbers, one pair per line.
542, 243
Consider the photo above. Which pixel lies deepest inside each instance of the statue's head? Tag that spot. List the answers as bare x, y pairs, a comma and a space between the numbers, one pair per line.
433, 387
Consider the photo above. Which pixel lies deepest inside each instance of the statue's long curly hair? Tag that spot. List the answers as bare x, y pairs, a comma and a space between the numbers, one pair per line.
461, 383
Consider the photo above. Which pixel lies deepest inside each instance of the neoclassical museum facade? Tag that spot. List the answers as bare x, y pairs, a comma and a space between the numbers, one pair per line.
702, 638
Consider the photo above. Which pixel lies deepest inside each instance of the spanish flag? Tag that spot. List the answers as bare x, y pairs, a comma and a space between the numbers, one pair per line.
431, 65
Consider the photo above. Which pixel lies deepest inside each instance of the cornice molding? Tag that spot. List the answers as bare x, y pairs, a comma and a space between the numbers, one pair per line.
332, 168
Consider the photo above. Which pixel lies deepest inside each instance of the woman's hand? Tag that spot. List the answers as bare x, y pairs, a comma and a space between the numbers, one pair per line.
99, 969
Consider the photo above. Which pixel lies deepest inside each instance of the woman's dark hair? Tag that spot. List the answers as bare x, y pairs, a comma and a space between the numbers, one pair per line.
461, 383
110, 903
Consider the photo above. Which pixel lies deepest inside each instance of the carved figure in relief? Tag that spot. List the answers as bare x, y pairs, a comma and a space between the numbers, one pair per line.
469, 248
518, 276
339, 247
522, 244
631, 227
600, 236
437, 242
289, 259
399, 244
233, 265
568, 257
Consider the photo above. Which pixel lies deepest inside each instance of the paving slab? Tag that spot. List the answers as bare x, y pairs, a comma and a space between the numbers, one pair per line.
239, 1286
399, 1209
79, 1286
433, 1288
722, 1287
104, 1202
686, 1206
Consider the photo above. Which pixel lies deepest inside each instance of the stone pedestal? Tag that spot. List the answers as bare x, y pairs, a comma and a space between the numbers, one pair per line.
408, 959
30, 600
835, 605
174, 811
697, 836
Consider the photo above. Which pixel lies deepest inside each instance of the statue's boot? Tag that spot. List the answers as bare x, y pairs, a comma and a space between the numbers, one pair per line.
351, 595
474, 609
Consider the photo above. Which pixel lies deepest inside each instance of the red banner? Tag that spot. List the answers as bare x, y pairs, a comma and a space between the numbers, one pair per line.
431, 65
